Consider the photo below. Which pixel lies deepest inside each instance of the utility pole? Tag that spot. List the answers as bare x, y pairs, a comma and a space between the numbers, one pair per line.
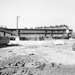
17, 24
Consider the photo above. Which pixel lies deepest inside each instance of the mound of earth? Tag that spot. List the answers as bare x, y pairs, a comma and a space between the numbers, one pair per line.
32, 65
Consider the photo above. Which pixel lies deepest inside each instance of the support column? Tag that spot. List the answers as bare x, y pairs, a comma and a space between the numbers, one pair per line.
11, 32
4, 33
51, 33
19, 32
45, 32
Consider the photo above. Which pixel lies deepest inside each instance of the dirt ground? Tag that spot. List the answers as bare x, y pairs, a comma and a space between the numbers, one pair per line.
38, 58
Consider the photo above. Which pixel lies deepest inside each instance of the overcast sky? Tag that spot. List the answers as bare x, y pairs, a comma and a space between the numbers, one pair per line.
35, 13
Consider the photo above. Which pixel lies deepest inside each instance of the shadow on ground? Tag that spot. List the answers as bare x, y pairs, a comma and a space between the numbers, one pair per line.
9, 45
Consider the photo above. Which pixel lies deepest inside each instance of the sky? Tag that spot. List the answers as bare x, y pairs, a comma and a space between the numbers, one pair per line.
35, 13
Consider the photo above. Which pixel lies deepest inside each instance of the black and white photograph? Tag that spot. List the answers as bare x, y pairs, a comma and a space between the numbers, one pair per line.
37, 37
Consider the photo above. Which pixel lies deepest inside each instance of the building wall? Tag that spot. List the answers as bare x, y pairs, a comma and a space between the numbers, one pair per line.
1, 34
36, 32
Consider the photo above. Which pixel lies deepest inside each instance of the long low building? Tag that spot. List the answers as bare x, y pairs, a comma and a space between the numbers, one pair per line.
41, 32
